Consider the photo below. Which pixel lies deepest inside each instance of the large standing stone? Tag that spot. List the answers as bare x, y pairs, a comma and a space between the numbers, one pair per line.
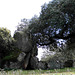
26, 61
22, 41
28, 56
14, 65
42, 65
21, 56
34, 63
53, 64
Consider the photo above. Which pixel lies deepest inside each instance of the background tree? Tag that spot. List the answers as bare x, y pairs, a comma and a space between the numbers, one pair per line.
56, 21
22, 25
5, 43
8, 51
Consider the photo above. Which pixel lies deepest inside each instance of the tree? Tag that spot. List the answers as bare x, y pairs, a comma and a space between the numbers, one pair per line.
6, 46
23, 25
56, 21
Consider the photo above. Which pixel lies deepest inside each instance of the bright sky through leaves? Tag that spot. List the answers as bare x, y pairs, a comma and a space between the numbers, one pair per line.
12, 11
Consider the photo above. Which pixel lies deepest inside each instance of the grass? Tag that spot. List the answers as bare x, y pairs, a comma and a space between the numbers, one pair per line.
65, 71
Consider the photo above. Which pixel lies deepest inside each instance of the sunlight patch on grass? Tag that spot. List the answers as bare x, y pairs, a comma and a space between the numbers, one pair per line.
65, 71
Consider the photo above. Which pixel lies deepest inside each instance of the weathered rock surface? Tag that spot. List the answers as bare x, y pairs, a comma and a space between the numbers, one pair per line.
42, 65
21, 56
34, 63
14, 65
28, 57
22, 42
54, 65
26, 61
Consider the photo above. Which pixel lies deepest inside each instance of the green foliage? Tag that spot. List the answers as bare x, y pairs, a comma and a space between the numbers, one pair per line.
4, 32
34, 24
56, 14
12, 55
5, 39
23, 25
56, 21
8, 50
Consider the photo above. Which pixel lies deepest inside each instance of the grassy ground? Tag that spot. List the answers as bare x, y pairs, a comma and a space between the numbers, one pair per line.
66, 71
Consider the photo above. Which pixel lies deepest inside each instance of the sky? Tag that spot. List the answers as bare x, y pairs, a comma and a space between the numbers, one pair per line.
12, 11
40, 53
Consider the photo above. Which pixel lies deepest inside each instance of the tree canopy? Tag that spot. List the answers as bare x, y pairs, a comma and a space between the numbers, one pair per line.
56, 21
8, 51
